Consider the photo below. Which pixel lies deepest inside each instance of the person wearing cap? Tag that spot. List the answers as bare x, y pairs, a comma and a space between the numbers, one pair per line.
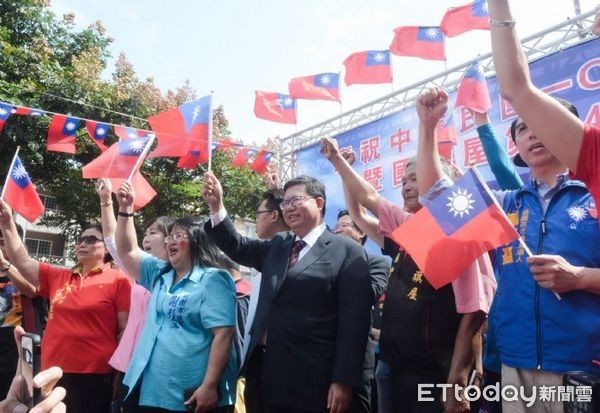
538, 335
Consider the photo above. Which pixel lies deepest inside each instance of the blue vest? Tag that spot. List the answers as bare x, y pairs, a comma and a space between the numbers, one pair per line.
533, 328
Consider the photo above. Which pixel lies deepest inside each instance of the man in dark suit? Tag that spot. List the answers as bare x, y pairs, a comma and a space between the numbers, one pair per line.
313, 314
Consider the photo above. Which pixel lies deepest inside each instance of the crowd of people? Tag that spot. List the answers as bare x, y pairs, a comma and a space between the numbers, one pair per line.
169, 325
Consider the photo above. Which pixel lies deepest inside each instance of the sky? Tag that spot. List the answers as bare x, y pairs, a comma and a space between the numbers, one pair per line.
234, 47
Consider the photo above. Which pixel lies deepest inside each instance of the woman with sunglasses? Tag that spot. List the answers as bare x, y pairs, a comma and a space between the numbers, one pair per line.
89, 304
184, 359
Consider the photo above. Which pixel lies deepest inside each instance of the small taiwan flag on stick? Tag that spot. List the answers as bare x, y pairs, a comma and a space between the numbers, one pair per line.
19, 193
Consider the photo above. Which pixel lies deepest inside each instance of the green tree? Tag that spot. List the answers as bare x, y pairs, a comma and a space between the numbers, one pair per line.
43, 60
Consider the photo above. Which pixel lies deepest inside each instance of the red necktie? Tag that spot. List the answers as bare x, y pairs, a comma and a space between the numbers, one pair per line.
295, 253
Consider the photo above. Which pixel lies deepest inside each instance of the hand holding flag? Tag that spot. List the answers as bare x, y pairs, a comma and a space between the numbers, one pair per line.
461, 223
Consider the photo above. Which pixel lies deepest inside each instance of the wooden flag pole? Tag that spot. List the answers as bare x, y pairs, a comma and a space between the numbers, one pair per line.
141, 158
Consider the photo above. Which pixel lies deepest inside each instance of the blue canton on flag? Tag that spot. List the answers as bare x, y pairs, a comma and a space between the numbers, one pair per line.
196, 112
378, 58
430, 34
70, 126
19, 175
286, 101
327, 80
132, 147
457, 205
480, 8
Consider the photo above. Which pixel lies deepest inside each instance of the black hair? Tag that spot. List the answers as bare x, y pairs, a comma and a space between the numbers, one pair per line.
343, 213
313, 186
273, 198
202, 250
163, 222
570, 107
98, 227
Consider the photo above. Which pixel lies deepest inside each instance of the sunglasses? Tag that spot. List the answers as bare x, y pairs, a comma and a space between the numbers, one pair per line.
89, 240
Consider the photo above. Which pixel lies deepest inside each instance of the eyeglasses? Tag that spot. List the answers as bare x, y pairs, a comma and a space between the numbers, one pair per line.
263, 212
294, 202
176, 237
89, 240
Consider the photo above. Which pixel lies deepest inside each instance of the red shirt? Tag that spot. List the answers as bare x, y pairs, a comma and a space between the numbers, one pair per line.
588, 164
82, 328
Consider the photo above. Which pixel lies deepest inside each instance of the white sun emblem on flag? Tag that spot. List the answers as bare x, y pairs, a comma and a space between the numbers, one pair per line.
325, 79
288, 101
70, 126
136, 145
3, 111
577, 213
100, 131
379, 57
460, 203
432, 32
195, 113
19, 172
484, 6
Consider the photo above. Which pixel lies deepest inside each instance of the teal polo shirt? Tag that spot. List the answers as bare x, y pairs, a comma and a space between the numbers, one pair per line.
172, 353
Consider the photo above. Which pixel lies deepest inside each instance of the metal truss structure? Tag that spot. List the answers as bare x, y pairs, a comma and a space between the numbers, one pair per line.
561, 36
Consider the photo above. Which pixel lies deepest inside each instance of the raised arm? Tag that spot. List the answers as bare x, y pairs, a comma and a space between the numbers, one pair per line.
15, 250
127, 247
243, 250
10, 271
500, 163
559, 130
361, 190
431, 106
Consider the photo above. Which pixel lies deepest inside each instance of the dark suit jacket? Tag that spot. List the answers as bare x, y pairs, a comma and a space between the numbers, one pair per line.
317, 314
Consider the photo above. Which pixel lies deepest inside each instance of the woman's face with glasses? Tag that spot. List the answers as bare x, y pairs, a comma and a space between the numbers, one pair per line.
90, 247
178, 245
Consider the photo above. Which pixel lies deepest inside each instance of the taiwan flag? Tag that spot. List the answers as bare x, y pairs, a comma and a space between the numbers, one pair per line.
472, 16
324, 86
5, 112
275, 107
370, 67
225, 144
193, 159
452, 230
473, 90
117, 161
97, 132
241, 157
61, 134
184, 129
144, 193
20, 193
446, 135
126, 132
426, 42
25, 111
260, 163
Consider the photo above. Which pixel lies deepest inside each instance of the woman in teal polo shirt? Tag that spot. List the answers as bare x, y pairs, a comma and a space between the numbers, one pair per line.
184, 359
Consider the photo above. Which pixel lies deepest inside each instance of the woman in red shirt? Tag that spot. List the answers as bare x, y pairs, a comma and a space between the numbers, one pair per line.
89, 305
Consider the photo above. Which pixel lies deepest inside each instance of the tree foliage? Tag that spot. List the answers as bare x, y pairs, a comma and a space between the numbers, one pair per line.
43, 60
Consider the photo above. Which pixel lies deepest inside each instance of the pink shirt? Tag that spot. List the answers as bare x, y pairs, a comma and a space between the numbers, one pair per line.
473, 290
135, 323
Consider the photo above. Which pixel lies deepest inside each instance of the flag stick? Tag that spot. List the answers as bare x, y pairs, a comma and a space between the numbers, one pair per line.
210, 129
521, 240
141, 158
12, 163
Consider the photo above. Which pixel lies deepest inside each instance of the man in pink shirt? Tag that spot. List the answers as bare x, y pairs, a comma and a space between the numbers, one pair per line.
426, 334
